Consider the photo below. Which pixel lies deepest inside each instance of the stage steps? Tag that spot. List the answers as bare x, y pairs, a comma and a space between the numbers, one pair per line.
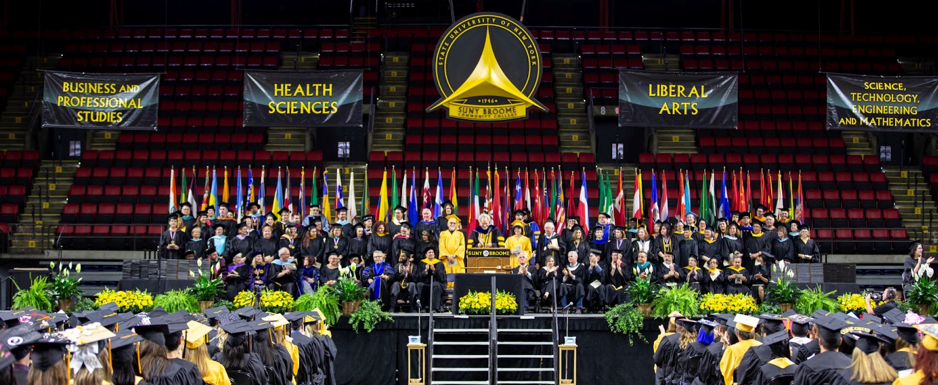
460, 356
524, 356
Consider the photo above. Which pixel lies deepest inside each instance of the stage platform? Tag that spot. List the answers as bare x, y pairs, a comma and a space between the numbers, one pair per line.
602, 356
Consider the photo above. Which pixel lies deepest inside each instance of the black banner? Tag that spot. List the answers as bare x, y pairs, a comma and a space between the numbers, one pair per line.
882, 103
685, 99
303, 99
111, 101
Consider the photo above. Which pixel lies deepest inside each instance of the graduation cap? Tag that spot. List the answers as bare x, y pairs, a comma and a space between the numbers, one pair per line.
908, 332
87, 334
400, 208
197, 334
185, 204
405, 224
284, 210
723, 319
223, 204
744, 214
11, 317
316, 205
253, 205
606, 215
800, 324
19, 336
127, 321
775, 338
769, 215
687, 323
872, 318
296, 318
518, 212
243, 225
331, 253
246, 313
237, 332
217, 225
772, 323
745, 323
620, 228
761, 207
124, 338
829, 327
154, 332
354, 256
930, 331
210, 207
227, 318
597, 252
174, 215
188, 252
895, 316
7, 358
48, 351
202, 213
868, 342
576, 218
214, 312
314, 316
707, 325
368, 217
453, 217
276, 320
341, 210
820, 313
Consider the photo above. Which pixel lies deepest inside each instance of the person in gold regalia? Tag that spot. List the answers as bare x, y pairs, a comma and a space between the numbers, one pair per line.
518, 243
212, 372
453, 248
745, 328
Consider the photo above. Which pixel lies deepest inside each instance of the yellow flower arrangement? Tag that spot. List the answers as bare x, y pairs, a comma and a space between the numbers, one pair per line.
244, 299
480, 302
276, 301
728, 303
855, 303
127, 301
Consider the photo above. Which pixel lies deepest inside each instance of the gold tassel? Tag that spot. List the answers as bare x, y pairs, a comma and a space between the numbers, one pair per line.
139, 367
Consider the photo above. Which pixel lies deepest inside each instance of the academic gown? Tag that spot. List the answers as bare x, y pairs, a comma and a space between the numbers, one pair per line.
575, 283
731, 245
708, 370
622, 246
648, 246
287, 282
326, 274
714, 285
663, 356
582, 249
255, 369
380, 243
259, 273
177, 238
693, 278
688, 362
266, 246
399, 243
550, 282
808, 247
754, 284
186, 224
316, 248
735, 288
751, 364
309, 358
197, 246
340, 246
671, 281
847, 373
687, 248
380, 289
594, 285
821, 369
651, 272
616, 283
528, 281
784, 250
755, 244
422, 276
231, 227
177, 372
348, 230
714, 249
358, 246
421, 248
481, 237
20, 374
236, 283
775, 368
394, 228
669, 245
806, 351
238, 246
429, 226
291, 244
287, 361
329, 362
899, 360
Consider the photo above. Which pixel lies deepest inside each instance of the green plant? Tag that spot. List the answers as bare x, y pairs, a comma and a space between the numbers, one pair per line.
923, 292
226, 303
176, 300
349, 291
812, 300
905, 306
626, 319
83, 304
63, 285
38, 295
369, 314
205, 288
768, 308
325, 299
782, 289
643, 291
682, 299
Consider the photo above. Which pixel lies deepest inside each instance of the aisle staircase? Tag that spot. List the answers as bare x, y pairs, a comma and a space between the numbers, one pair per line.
361, 26
391, 113
14, 122
39, 221
676, 141
572, 118
286, 139
298, 61
913, 200
858, 143
103, 140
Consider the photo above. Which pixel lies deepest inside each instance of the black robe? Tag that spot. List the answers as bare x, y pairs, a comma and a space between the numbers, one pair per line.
330, 352
648, 247
481, 237
428, 280
751, 364
667, 351
399, 243
316, 248
899, 360
732, 246
528, 281
753, 245
177, 238
287, 282
822, 369
708, 370
309, 357
622, 246
688, 248
197, 246
291, 244
616, 283
694, 279
380, 243
671, 281
807, 248
550, 283
689, 361
784, 250
429, 226
806, 351
393, 228
421, 248
267, 246
669, 246
340, 246
770, 371
713, 285
582, 249
236, 283
326, 274
287, 362
238, 246
735, 288
358, 246
177, 372
713, 249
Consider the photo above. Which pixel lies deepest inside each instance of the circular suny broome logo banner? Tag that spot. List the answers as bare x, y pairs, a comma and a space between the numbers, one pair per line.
487, 67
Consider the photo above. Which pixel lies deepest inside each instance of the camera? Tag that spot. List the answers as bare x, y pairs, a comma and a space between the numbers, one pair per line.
874, 294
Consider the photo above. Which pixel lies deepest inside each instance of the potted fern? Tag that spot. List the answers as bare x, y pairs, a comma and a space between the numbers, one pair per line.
369, 314
782, 290
325, 299
922, 295
626, 319
682, 299
812, 300
643, 292
206, 289
38, 295
350, 294
176, 300
64, 286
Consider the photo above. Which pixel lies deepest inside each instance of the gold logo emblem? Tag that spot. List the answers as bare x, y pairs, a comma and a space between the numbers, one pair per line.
487, 67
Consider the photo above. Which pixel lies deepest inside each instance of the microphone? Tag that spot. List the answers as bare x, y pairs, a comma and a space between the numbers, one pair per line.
568, 306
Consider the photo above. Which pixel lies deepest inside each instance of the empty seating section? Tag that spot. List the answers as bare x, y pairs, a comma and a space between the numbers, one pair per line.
12, 55
17, 169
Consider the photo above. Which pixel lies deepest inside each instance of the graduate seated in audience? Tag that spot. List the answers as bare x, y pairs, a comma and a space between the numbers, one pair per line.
617, 281
779, 367
665, 346
688, 363
528, 278
867, 365
737, 278
379, 277
548, 277
745, 331
573, 278
595, 278
926, 359
196, 345
824, 367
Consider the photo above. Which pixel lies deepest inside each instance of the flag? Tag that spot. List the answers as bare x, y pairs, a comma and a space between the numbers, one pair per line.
473, 215
182, 191
637, 197
601, 186
426, 188
383, 197
724, 209
735, 201
527, 190
278, 196
206, 191
213, 194
302, 209
405, 193
780, 201
438, 197
799, 203
189, 197
749, 194
366, 196
571, 203
172, 190
226, 191
553, 195
239, 200
703, 198
664, 197
250, 195
338, 193
619, 210
326, 208
452, 190
762, 191
487, 199
743, 201
561, 212
770, 198
687, 202
412, 213
584, 206
681, 206
712, 200
537, 209
287, 204
507, 216
519, 203
262, 192
791, 198
395, 199
654, 214
496, 204
352, 210
546, 198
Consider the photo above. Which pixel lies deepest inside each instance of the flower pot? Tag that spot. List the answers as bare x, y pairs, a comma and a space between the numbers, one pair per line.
204, 305
350, 307
923, 309
645, 308
65, 304
785, 306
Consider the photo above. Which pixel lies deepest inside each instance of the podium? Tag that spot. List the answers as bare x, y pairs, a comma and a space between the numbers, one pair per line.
482, 260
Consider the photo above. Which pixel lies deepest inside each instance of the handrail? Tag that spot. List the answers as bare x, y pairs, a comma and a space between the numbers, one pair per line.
555, 334
493, 338
373, 110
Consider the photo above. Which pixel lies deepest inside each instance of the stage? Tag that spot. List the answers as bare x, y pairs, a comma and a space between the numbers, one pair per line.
602, 357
